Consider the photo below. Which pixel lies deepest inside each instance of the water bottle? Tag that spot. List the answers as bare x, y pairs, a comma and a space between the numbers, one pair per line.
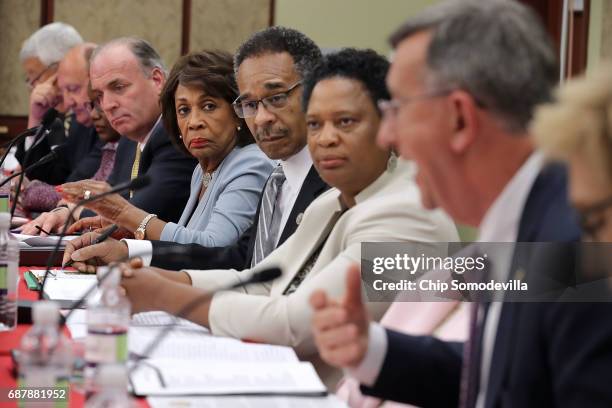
111, 381
108, 319
45, 358
9, 274
5, 194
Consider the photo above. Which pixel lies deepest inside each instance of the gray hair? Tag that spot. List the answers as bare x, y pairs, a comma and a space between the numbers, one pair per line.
50, 43
497, 50
145, 54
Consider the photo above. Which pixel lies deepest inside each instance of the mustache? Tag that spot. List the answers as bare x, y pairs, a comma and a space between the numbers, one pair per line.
269, 131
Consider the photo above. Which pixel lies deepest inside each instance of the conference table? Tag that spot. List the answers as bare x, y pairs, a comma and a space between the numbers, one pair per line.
11, 339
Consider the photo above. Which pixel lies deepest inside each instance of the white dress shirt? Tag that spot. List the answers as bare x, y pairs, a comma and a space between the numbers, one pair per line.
296, 169
500, 224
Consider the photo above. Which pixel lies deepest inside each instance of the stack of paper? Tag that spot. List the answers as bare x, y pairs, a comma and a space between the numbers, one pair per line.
197, 377
190, 361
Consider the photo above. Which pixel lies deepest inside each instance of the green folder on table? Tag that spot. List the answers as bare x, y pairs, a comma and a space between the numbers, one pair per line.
31, 281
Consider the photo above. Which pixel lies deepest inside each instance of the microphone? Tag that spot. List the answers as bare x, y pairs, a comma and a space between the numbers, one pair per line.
47, 120
169, 251
134, 184
54, 154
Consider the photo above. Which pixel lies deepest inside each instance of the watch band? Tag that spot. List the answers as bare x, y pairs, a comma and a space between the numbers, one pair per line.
142, 228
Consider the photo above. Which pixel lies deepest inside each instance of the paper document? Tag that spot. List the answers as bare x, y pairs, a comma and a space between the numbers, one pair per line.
330, 401
159, 319
61, 285
207, 349
183, 377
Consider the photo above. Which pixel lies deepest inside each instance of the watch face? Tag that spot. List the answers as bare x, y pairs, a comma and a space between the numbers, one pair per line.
138, 234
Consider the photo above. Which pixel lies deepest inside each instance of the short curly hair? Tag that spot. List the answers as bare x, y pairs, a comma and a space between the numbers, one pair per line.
210, 71
365, 66
305, 53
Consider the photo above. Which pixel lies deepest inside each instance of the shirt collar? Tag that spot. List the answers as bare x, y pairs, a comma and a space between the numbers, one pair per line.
110, 146
296, 167
501, 221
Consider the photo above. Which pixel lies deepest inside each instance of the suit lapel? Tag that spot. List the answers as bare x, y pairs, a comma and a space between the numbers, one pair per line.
312, 187
312, 235
548, 187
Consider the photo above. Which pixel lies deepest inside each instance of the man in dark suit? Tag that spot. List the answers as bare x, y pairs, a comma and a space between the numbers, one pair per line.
302, 184
464, 121
79, 146
126, 76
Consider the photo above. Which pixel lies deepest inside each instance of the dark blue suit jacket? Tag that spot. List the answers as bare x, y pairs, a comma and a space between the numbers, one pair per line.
79, 154
545, 354
238, 256
170, 172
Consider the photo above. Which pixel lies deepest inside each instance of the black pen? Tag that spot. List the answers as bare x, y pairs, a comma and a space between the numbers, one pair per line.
42, 230
103, 237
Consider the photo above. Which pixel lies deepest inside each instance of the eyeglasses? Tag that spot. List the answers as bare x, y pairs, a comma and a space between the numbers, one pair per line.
592, 219
248, 108
31, 83
390, 108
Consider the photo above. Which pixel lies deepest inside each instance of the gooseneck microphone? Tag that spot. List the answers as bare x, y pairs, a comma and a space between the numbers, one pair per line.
54, 154
135, 184
43, 130
47, 120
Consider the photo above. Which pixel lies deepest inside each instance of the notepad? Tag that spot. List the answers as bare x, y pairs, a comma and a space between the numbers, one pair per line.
66, 286
183, 377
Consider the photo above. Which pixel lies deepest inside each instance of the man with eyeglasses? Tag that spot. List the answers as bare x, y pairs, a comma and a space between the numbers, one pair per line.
269, 67
477, 161
55, 62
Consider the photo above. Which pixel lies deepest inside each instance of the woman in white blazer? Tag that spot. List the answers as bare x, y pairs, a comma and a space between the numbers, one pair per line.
374, 199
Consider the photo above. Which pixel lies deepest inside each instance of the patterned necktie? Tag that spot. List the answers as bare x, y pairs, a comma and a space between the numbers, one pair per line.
472, 350
135, 166
107, 162
270, 215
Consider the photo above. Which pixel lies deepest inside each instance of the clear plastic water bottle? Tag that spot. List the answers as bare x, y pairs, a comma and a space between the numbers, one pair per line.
5, 194
45, 358
111, 381
9, 274
108, 319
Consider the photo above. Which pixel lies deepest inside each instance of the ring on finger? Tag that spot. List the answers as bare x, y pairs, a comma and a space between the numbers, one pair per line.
87, 194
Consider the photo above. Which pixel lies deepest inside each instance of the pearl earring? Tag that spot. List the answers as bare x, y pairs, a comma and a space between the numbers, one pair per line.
239, 128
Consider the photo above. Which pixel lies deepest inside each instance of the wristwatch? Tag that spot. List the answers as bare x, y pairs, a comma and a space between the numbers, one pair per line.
142, 228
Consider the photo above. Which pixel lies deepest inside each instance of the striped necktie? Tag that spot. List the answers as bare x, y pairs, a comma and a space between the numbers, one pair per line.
270, 215
135, 166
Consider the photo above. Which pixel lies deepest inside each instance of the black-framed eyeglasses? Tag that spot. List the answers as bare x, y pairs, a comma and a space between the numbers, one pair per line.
31, 83
592, 219
248, 107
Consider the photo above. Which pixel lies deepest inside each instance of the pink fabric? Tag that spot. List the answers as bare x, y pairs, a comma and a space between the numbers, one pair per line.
39, 197
445, 320
107, 162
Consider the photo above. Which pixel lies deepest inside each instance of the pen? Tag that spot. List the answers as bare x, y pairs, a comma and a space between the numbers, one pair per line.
103, 237
42, 230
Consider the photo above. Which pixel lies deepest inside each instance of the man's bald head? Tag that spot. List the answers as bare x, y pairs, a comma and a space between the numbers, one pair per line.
72, 80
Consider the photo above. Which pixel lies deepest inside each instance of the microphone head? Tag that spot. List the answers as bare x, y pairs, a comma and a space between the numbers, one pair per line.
140, 182
266, 275
49, 117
